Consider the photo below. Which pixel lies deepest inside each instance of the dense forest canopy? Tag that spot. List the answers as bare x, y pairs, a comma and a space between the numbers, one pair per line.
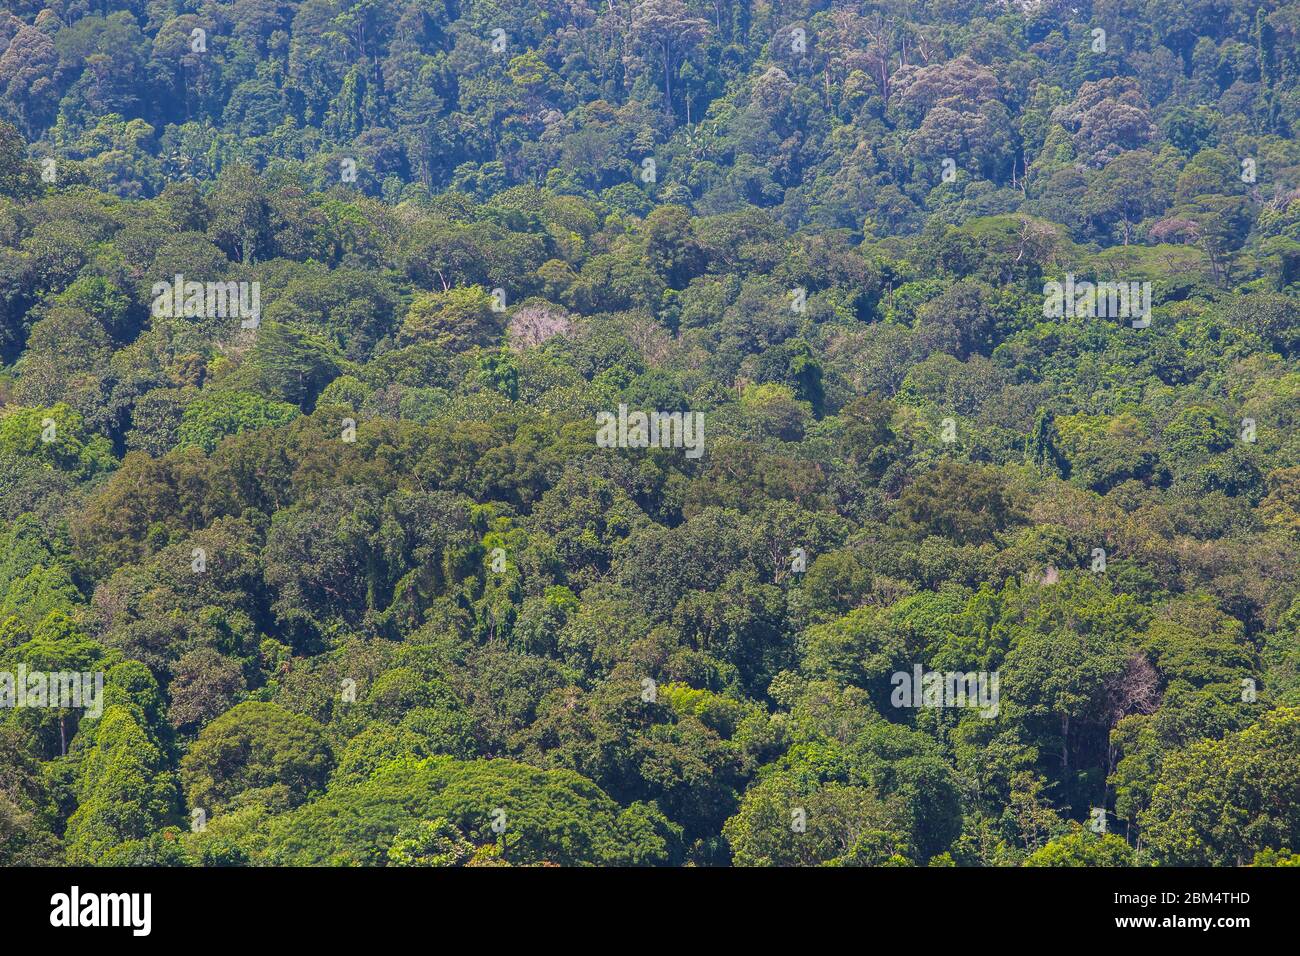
331, 338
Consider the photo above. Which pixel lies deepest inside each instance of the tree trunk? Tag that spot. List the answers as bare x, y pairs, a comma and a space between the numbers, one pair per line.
1065, 743
668, 86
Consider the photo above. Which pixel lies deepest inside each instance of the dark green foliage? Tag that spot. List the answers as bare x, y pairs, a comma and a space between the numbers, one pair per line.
256, 749
358, 574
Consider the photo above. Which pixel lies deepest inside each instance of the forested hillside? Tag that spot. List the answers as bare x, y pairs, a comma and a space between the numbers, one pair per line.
330, 332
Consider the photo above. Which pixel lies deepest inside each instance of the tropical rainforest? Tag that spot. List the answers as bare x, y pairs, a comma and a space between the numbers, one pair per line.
361, 584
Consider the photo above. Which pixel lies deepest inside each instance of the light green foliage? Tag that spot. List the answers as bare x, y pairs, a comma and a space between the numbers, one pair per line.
1219, 802
1084, 848
545, 816
213, 416
55, 437
282, 758
454, 319
124, 792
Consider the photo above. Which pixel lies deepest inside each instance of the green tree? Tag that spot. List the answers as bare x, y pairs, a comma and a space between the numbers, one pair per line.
1083, 848
282, 758
124, 791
